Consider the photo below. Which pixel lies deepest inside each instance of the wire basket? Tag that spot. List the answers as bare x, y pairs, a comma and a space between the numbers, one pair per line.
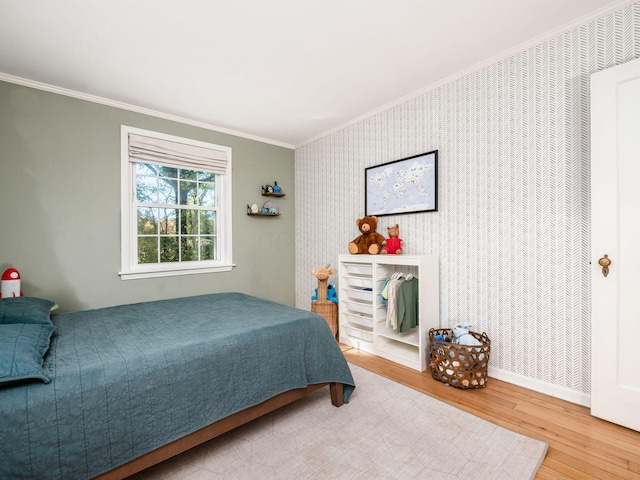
461, 366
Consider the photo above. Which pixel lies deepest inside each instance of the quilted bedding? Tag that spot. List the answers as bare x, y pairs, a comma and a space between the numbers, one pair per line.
126, 380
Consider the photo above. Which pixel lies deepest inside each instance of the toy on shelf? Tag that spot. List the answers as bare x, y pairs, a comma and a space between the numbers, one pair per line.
369, 241
393, 244
269, 208
10, 284
272, 190
252, 209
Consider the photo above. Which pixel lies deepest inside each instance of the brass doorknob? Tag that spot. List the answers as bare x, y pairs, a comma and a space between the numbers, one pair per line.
604, 262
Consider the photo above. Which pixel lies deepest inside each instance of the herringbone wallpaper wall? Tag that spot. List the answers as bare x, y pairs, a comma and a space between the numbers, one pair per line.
513, 228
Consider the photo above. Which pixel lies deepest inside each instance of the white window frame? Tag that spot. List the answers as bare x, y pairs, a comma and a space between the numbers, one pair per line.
130, 268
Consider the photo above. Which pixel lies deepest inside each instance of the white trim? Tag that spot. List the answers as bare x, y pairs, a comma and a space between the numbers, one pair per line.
175, 272
135, 108
478, 66
572, 396
130, 270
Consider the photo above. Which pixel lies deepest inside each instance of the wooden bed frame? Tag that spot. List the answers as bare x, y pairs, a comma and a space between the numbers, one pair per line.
218, 428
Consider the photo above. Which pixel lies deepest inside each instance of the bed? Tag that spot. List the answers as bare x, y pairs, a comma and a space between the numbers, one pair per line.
135, 384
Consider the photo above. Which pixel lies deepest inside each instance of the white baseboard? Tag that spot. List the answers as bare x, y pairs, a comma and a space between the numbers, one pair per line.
542, 387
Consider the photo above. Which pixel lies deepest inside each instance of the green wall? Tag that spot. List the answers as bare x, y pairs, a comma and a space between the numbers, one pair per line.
60, 205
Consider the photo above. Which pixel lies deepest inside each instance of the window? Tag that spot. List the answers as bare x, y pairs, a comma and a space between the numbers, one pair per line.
176, 205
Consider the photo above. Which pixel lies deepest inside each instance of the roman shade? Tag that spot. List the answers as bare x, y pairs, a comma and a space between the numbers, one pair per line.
178, 155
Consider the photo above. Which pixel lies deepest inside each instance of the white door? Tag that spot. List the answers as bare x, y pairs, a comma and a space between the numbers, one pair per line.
615, 232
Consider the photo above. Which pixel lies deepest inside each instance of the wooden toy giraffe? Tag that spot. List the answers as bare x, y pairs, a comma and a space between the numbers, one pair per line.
322, 306
322, 274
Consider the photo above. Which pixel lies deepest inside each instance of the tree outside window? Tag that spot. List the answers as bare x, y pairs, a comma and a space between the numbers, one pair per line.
176, 214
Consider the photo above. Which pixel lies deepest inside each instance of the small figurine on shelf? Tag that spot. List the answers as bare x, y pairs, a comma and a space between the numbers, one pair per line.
276, 189
254, 208
268, 189
270, 207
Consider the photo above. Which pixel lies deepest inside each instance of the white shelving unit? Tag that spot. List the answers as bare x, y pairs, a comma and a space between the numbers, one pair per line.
362, 314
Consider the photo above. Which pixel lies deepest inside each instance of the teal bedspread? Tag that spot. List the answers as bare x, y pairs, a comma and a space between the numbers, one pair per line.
126, 380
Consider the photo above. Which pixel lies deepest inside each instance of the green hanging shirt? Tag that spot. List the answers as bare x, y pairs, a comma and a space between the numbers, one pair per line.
408, 305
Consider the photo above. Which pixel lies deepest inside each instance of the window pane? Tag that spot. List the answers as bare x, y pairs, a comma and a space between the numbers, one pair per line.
169, 249
188, 192
168, 172
207, 195
206, 176
189, 222
147, 249
168, 220
168, 191
188, 174
147, 189
146, 169
189, 249
207, 248
147, 221
207, 222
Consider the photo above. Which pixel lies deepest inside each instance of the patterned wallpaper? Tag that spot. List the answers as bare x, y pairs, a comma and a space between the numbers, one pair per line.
513, 226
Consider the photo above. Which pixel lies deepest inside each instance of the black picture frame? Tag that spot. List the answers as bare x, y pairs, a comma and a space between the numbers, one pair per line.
408, 185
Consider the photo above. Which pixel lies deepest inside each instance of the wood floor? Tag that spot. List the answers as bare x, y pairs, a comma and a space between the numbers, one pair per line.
580, 446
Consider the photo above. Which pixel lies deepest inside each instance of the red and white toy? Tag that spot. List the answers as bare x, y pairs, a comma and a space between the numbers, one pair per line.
10, 284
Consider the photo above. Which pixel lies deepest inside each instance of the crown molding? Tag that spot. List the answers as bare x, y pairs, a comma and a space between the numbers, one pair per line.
617, 5
135, 108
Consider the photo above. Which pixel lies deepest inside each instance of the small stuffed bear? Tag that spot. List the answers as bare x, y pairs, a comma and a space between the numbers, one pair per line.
370, 241
393, 244
461, 335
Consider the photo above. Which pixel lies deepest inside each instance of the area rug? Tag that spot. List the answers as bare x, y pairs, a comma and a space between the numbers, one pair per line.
387, 431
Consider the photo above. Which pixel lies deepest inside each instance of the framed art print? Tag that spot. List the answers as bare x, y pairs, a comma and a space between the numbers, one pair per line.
408, 185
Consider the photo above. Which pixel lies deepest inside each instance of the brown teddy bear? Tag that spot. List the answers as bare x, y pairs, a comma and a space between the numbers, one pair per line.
370, 241
393, 244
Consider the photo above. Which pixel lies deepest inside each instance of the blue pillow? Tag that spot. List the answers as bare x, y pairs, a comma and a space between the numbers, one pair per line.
22, 347
25, 310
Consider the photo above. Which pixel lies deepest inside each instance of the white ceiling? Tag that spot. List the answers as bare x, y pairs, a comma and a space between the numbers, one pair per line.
285, 71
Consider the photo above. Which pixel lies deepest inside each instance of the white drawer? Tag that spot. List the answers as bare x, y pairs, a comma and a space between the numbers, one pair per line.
365, 295
359, 282
362, 335
358, 307
359, 320
359, 269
